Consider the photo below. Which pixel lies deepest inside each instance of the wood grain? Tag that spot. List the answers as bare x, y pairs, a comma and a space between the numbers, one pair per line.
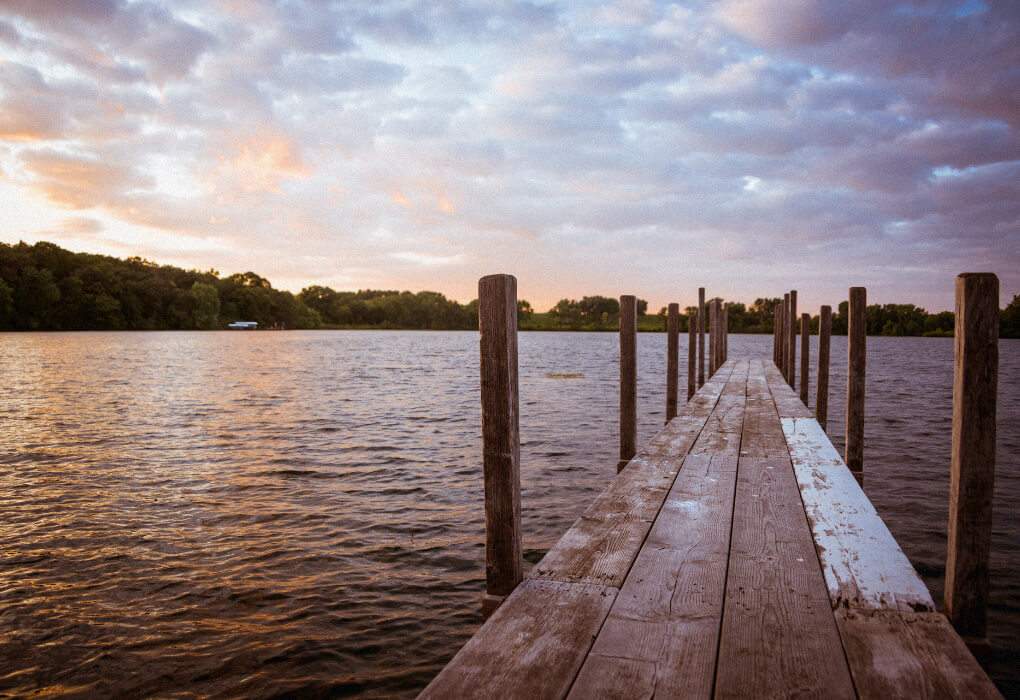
779, 636
672, 359
910, 655
855, 384
501, 442
805, 355
863, 565
628, 379
822, 383
972, 470
531, 647
791, 329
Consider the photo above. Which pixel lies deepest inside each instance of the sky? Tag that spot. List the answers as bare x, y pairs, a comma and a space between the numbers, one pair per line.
627, 147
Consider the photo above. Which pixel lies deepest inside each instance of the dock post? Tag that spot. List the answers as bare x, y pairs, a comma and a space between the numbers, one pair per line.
713, 337
791, 360
822, 385
857, 333
972, 477
692, 353
784, 336
628, 380
701, 336
725, 333
775, 334
805, 353
501, 440
672, 359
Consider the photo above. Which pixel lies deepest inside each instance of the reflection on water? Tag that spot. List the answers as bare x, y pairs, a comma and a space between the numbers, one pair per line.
258, 513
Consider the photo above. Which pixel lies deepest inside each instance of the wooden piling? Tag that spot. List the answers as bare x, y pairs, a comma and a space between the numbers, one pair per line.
672, 359
784, 336
725, 333
822, 385
701, 336
775, 335
628, 380
805, 352
692, 354
501, 442
857, 333
791, 360
972, 477
713, 337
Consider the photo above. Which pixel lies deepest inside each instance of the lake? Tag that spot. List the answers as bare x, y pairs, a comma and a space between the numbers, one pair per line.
257, 514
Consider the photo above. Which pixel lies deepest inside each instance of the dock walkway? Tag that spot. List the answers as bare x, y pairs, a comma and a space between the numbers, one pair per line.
735, 556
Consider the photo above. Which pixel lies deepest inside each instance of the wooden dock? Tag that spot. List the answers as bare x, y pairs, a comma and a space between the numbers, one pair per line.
734, 556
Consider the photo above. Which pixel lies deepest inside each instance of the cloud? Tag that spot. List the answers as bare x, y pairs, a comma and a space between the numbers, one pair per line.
313, 141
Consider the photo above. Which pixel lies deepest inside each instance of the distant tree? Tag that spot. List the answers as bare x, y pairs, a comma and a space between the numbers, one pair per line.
524, 310
206, 305
1009, 319
6, 304
642, 307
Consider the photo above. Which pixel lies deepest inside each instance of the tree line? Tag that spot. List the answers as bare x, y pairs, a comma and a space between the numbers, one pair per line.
45, 287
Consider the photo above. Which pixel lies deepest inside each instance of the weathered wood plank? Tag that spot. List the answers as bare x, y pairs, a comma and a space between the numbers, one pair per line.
756, 439
531, 647
669, 610
864, 567
910, 655
786, 402
778, 636
601, 545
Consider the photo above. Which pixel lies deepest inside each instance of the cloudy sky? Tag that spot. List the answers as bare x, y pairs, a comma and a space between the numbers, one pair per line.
748, 146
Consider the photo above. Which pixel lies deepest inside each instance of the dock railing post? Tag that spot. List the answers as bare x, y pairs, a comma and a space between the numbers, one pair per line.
775, 335
713, 337
822, 385
701, 336
791, 360
628, 380
672, 359
805, 355
725, 333
784, 336
501, 441
972, 477
857, 334
692, 354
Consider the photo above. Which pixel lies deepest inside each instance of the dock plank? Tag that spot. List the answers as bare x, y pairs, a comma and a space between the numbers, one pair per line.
788, 404
779, 636
601, 545
669, 611
531, 647
864, 567
910, 655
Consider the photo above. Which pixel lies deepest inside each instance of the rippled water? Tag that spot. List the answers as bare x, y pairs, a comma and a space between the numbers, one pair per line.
257, 514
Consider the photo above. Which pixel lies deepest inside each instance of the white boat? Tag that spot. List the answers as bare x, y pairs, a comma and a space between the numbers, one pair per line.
243, 326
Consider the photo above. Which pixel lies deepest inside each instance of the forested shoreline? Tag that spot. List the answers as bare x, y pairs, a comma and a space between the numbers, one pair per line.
45, 287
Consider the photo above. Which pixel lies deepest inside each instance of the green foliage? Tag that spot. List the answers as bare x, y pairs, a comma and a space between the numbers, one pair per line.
206, 305
45, 287
1009, 319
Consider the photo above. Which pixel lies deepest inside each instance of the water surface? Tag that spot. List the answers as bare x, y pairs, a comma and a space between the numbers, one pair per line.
252, 514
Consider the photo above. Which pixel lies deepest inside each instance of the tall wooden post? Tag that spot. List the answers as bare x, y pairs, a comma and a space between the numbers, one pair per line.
713, 337
805, 352
501, 441
725, 333
791, 360
857, 333
822, 385
628, 380
692, 354
784, 336
775, 335
672, 359
972, 479
701, 336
